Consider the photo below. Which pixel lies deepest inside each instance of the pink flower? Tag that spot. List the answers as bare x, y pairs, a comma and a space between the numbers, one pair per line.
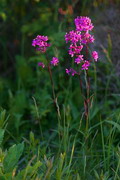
83, 23
95, 55
41, 64
87, 38
91, 39
74, 49
41, 43
73, 36
54, 61
71, 71
79, 59
85, 65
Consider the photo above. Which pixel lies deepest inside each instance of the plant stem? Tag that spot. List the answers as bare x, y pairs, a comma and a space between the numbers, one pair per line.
80, 82
53, 91
54, 95
87, 101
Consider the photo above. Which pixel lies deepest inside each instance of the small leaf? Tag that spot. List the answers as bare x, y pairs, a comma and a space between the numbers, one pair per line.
12, 157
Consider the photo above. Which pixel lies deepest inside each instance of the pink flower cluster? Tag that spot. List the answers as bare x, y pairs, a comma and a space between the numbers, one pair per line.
41, 43
79, 38
83, 24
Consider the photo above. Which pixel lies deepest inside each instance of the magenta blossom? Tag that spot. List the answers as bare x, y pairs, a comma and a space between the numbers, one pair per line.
41, 64
73, 36
83, 23
79, 59
74, 49
54, 61
41, 43
95, 55
71, 71
85, 65
87, 38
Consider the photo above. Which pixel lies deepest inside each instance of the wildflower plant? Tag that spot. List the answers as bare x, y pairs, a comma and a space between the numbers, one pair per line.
41, 44
86, 144
78, 40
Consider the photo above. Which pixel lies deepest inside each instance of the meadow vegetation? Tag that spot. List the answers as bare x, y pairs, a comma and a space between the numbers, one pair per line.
46, 138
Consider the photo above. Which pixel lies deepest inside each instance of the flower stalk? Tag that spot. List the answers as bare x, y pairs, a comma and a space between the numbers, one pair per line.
53, 88
41, 44
79, 40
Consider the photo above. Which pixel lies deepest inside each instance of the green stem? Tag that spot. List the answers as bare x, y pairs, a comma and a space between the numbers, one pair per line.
87, 101
53, 91
54, 96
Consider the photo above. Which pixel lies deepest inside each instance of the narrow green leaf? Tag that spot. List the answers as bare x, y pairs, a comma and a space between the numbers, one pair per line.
114, 123
1, 135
